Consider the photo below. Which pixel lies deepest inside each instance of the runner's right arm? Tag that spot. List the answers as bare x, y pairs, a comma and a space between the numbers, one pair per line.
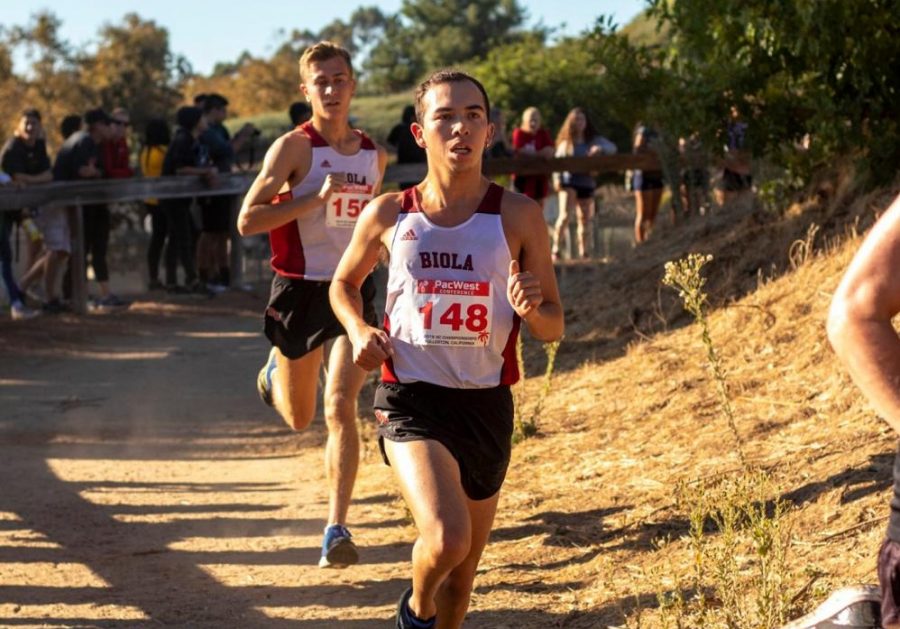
371, 346
859, 321
286, 160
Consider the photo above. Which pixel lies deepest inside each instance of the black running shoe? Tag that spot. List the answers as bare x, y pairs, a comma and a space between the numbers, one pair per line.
406, 619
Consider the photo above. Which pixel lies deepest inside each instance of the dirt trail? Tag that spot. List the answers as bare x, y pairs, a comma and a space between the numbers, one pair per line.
144, 484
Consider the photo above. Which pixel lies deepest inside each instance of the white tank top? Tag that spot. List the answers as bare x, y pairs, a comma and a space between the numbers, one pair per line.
447, 313
311, 246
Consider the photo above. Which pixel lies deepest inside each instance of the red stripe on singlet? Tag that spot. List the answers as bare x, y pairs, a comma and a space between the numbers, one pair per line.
287, 248
387, 367
509, 374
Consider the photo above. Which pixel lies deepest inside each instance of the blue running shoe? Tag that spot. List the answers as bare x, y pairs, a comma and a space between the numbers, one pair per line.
338, 550
405, 617
264, 379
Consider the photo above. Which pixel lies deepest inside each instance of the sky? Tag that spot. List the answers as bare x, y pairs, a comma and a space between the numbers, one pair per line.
209, 31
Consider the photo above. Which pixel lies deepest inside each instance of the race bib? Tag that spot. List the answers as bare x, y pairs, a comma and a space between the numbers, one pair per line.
452, 312
345, 205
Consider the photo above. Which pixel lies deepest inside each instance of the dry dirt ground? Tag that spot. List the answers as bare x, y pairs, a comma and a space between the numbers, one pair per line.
144, 484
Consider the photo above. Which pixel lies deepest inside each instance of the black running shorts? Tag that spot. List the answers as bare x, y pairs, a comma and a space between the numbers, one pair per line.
475, 425
299, 317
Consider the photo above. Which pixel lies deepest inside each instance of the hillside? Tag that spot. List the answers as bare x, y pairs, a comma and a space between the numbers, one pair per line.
633, 411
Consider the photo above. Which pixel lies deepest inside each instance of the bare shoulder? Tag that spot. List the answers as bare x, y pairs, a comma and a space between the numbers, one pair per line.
518, 209
385, 208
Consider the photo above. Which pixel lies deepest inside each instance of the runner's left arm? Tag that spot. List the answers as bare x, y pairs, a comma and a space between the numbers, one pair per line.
531, 288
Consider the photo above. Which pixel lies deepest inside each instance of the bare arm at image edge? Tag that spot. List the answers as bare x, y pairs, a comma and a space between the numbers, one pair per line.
859, 321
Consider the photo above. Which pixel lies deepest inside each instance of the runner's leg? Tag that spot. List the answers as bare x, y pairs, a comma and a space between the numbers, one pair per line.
343, 382
453, 595
429, 480
294, 385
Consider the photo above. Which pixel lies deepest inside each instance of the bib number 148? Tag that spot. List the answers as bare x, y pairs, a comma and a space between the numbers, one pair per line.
474, 319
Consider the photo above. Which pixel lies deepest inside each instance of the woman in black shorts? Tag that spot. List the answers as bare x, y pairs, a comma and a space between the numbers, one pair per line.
647, 185
577, 138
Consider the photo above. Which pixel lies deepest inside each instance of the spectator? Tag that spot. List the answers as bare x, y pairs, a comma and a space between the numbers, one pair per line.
97, 217
694, 176
69, 125
23, 161
737, 177
531, 139
578, 138
78, 158
299, 113
647, 184
500, 141
185, 156
217, 211
156, 140
199, 101
401, 138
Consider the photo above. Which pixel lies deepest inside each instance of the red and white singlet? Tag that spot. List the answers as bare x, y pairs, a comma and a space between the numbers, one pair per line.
447, 313
310, 247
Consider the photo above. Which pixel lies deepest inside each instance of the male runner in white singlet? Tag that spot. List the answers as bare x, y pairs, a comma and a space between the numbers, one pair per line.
468, 261
314, 182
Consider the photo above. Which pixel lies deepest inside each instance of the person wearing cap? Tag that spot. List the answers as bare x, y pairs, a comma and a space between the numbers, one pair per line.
184, 156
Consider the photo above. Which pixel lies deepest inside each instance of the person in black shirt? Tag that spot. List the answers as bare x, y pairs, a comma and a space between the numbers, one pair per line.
80, 158
216, 211
185, 156
24, 158
401, 138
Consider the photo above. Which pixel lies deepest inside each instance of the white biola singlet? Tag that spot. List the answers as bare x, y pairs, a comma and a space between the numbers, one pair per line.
311, 246
447, 313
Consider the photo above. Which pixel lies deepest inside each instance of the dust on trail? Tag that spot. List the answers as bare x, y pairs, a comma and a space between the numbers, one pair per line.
144, 483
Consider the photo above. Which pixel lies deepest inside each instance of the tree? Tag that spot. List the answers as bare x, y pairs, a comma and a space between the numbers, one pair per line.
429, 34
134, 68
52, 82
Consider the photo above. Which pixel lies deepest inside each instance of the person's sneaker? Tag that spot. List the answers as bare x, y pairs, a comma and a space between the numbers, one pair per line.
406, 619
20, 312
856, 607
54, 306
264, 379
112, 301
215, 288
338, 550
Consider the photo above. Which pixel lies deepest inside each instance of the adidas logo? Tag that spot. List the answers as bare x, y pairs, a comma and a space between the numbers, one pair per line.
325, 164
410, 235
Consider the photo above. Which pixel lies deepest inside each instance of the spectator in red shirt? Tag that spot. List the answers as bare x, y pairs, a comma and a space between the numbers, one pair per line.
97, 225
532, 139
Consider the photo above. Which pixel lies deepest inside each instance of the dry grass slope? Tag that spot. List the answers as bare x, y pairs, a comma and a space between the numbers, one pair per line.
633, 411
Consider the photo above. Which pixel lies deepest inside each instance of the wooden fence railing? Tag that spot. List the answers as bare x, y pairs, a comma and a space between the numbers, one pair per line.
76, 194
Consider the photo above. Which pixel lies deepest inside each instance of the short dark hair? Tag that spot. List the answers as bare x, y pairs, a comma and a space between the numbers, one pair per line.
188, 117
31, 112
299, 112
214, 101
199, 99
69, 125
323, 51
94, 116
446, 76
157, 133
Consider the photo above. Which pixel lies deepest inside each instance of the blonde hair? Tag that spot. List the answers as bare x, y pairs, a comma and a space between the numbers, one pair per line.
323, 51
